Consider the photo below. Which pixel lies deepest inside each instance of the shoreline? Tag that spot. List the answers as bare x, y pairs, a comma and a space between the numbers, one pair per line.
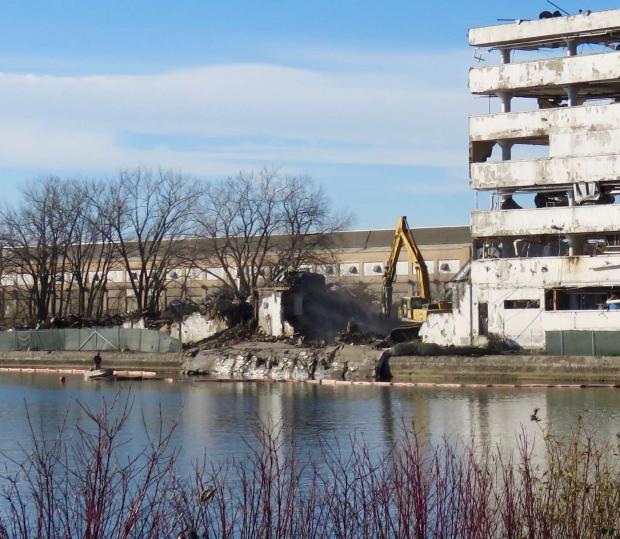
348, 365
137, 375
122, 374
165, 363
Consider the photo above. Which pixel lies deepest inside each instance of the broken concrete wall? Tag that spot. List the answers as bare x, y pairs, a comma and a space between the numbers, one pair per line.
451, 329
271, 312
467, 324
519, 325
499, 283
134, 324
197, 327
546, 272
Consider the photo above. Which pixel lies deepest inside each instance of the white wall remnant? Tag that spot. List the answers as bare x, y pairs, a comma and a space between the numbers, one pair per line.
196, 327
450, 329
134, 324
271, 316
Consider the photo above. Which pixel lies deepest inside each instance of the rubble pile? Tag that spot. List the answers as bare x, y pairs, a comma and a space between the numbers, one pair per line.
282, 361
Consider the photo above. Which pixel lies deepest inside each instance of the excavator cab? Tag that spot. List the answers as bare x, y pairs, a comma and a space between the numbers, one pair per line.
413, 308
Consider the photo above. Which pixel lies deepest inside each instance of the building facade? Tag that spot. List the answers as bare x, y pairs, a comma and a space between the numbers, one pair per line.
546, 255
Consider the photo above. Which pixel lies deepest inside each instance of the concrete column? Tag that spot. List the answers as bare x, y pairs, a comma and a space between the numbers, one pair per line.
505, 56
571, 93
505, 99
508, 248
571, 47
575, 245
573, 302
506, 147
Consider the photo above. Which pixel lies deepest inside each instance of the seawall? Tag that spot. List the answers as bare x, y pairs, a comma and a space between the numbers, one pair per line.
275, 361
164, 363
506, 369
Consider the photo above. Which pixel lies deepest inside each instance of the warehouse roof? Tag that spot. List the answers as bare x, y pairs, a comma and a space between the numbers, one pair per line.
369, 239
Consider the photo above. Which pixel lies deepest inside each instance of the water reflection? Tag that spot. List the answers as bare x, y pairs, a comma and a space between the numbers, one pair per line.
221, 420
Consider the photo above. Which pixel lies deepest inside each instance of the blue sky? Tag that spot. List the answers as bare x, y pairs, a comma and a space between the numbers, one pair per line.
369, 98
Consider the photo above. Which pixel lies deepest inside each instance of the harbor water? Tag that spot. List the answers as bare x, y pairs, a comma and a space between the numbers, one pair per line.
219, 421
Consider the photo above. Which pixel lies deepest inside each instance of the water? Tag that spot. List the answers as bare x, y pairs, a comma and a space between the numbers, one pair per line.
220, 420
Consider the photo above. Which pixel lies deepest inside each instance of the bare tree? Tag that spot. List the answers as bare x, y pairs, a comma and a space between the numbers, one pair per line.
255, 227
35, 235
307, 223
144, 215
63, 238
90, 255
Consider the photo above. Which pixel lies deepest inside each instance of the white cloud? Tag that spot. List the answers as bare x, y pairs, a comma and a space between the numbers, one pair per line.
371, 109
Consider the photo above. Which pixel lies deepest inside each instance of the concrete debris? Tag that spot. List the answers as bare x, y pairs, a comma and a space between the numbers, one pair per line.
281, 361
196, 327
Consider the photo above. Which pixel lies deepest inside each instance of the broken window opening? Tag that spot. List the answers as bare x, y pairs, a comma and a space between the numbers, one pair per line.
582, 194
551, 199
482, 151
585, 46
521, 304
516, 247
583, 299
546, 246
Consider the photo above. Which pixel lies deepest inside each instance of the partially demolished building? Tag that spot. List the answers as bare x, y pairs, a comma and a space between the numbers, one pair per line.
547, 253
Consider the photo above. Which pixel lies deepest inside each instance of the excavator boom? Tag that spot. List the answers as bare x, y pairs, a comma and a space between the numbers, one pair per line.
404, 237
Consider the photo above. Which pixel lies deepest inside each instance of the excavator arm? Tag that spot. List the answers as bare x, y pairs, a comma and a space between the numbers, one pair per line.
403, 236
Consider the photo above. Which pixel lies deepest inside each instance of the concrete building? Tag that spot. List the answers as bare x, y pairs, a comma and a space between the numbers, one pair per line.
547, 253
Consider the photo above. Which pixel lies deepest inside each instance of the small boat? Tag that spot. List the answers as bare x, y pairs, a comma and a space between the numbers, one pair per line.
99, 374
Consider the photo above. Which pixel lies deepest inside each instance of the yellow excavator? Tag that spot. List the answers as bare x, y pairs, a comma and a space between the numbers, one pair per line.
413, 310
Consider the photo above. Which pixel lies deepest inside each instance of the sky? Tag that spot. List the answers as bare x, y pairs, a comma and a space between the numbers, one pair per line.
368, 98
